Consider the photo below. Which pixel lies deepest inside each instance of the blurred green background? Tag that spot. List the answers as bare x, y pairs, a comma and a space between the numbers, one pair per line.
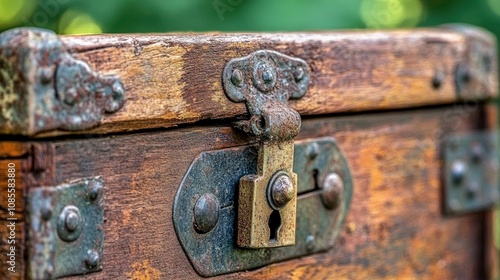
125, 16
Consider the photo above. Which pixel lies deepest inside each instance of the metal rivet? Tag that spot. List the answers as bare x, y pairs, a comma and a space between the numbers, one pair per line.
472, 189
237, 77
70, 96
437, 81
46, 75
72, 221
332, 190
206, 213
312, 150
46, 212
282, 191
458, 170
93, 190
117, 98
267, 75
69, 225
310, 243
477, 152
92, 259
299, 74
49, 271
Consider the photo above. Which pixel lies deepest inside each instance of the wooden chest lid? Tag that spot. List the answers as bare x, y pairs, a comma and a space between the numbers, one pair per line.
174, 79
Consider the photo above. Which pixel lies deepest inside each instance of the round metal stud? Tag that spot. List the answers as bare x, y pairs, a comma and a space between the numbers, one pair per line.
69, 225
264, 77
280, 190
117, 98
72, 221
477, 152
206, 213
332, 190
299, 74
92, 259
46, 212
310, 243
312, 150
93, 190
472, 189
458, 170
237, 77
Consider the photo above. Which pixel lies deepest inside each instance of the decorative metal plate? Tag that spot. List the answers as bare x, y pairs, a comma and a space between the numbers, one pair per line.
471, 172
204, 212
65, 231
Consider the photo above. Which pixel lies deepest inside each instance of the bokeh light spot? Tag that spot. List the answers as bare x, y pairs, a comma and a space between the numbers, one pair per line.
13, 12
391, 13
75, 22
495, 6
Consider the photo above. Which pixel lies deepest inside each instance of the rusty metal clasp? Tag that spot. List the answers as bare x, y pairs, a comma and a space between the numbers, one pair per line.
265, 80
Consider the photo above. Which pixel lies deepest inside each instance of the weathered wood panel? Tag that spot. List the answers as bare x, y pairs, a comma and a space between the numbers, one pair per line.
175, 79
395, 228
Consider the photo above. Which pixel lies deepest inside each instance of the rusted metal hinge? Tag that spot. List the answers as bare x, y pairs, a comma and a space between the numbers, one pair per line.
43, 87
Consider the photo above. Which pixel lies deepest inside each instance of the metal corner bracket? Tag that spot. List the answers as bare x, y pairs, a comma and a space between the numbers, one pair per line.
65, 229
43, 87
471, 172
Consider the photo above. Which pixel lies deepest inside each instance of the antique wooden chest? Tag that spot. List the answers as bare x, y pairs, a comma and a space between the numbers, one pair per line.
335, 155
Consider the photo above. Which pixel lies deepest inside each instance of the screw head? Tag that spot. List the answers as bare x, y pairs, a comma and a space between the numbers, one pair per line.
333, 187
281, 191
458, 170
237, 77
310, 242
69, 225
206, 213
92, 259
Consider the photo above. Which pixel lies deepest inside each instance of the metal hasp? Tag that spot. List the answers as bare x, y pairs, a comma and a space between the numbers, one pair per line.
206, 206
471, 172
65, 229
265, 80
42, 87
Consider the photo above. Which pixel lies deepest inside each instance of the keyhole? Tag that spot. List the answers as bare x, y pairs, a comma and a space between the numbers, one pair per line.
274, 225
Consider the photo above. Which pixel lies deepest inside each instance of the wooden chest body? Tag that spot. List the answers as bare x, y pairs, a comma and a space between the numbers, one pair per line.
389, 99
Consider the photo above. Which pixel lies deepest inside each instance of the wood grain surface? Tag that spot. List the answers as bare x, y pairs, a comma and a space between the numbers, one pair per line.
174, 79
395, 229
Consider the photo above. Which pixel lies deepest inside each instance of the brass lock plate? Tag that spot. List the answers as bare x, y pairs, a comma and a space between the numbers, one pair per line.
206, 206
